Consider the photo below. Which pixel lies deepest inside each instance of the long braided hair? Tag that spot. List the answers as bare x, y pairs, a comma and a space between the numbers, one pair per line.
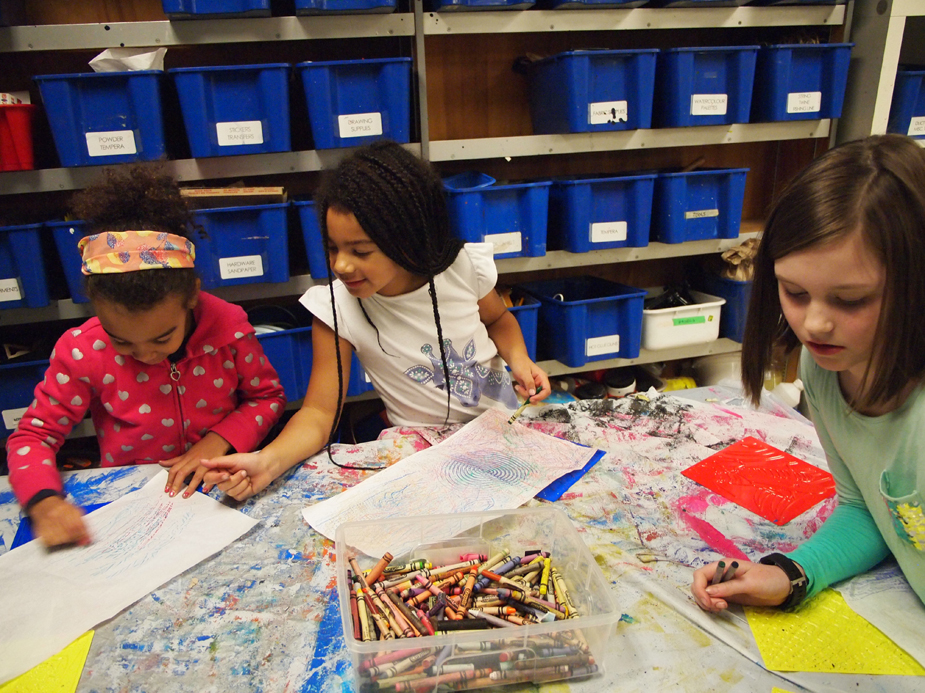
400, 203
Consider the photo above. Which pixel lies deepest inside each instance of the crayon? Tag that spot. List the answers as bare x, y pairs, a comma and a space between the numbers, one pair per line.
396, 618
377, 569
466, 600
392, 570
362, 615
425, 619
547, 564
523, 406
562, 594
409, 615
718, 575
432, 682
354, 609
463, 624
492, 619
387, 657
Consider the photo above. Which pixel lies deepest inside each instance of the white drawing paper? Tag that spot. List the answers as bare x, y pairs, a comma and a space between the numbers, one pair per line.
140, 541
488, 464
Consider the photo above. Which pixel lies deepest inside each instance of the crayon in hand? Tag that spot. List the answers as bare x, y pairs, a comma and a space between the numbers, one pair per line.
523, 406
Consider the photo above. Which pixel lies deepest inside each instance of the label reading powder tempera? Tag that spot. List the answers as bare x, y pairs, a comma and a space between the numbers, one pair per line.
111, 143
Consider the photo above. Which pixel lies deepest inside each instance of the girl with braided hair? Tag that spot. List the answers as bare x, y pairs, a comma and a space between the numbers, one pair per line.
417, 306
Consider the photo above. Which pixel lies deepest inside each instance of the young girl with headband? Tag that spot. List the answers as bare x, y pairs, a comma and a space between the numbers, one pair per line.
841, 269
170, 375
417, 305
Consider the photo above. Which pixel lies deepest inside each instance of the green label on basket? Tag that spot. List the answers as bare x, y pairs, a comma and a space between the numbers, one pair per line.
695, 320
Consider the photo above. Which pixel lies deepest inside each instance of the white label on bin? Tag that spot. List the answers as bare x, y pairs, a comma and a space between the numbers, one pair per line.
236, 134
804, 102
598, 346
505, 242
111, 143
608, 112
916, 126
360, 124
9, 290
11, 417
709, 104
701, 213
243, 266
608, 231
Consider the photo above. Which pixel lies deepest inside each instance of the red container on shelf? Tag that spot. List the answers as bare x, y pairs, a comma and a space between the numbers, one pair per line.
16, 137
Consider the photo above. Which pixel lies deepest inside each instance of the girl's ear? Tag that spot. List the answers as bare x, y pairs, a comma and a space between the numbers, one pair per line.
194, 298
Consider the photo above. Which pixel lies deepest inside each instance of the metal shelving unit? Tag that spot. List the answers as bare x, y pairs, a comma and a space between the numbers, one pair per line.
877, 29
418, 25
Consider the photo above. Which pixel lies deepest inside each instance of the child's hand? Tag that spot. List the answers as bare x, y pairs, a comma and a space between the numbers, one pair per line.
211, 445
754, 584
56, 522
528, 379
241, 475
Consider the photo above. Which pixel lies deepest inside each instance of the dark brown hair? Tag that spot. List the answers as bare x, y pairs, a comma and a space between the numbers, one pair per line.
875, 187
136, 197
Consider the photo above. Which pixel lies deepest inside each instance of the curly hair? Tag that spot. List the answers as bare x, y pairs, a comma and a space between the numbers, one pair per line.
136, 197
400, 203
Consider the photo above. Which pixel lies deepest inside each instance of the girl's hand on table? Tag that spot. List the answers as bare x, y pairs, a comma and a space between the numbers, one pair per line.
55, 522
240, 475
754, 584
182, 466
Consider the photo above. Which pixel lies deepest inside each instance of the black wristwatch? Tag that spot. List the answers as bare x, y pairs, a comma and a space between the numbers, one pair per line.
794, 574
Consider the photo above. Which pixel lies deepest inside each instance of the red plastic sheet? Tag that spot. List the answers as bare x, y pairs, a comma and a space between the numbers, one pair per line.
769, 482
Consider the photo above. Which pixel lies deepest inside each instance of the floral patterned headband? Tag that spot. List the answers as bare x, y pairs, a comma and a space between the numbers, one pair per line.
130, 251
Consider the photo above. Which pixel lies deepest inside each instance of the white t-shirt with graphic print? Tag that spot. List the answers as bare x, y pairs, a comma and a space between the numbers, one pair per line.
403, 360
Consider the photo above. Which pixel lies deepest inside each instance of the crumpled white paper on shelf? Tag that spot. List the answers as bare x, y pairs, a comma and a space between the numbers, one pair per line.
129, 60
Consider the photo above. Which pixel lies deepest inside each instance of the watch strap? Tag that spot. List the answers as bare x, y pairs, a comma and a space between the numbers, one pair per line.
798, 581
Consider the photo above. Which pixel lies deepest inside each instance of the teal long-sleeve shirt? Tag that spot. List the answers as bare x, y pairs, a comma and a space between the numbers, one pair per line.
879, 467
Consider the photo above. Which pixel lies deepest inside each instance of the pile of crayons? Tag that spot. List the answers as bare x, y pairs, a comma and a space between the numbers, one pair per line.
419, 599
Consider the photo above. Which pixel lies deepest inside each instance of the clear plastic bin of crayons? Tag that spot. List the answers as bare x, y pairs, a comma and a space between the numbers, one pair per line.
533, 633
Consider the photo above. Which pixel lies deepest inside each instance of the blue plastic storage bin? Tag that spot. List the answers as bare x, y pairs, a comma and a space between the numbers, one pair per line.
797, 2
355, 102
527, 315
596, 213
586, 319
804, 81
512, 216
236, 109
22, 267
66, 235
698, 205
105, 117
16, 394
592, 91
311, 233
290, 353
307, 7
469, 5
197, 9
907, 112
735, 311
244, 245
704, 86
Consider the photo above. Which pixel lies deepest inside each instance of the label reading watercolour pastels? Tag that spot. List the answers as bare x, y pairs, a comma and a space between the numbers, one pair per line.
113, 143
243, 266
709, 104
360, 124
236, 134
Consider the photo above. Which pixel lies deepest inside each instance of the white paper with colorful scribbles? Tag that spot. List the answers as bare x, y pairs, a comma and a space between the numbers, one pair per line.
140, 541
488, 464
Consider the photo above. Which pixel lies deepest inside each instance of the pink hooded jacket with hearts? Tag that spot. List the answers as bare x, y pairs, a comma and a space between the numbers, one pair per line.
144, 414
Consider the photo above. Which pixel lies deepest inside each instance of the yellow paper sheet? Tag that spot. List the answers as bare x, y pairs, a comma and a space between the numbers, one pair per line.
59, 673
778, 690
824, 634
